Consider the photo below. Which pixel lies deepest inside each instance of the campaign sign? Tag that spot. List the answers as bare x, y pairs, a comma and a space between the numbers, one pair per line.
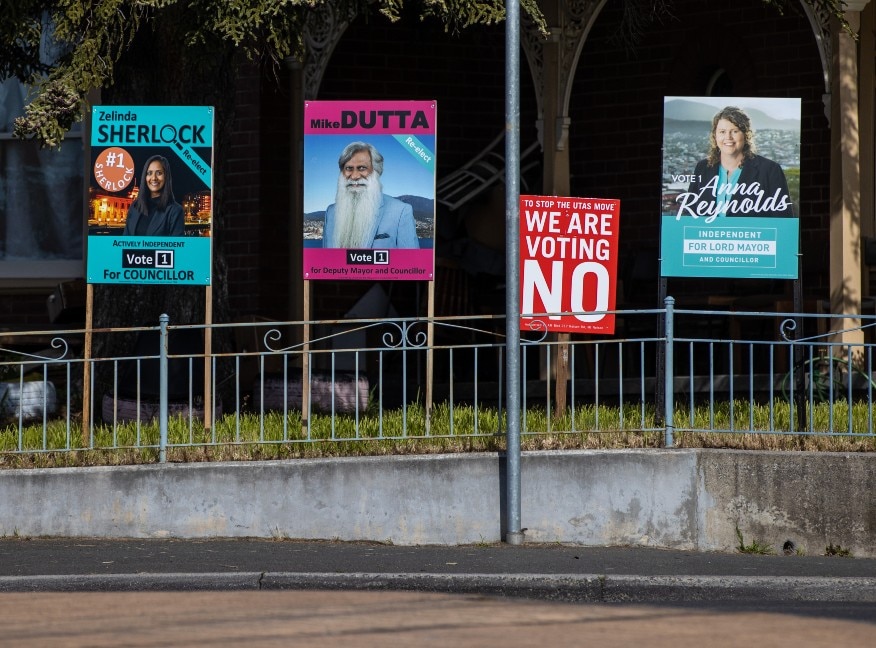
568, 255
369, 190
731, 187
150, 195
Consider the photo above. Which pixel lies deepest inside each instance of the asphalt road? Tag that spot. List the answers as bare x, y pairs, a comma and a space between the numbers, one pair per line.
90, 592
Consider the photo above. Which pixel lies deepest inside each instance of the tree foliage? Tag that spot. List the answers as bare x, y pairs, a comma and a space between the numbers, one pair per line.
93, 34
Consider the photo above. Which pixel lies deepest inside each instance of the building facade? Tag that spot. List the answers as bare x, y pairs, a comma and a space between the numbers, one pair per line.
591, 103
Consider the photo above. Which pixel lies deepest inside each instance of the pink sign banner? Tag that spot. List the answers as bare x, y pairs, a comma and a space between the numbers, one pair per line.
369, 190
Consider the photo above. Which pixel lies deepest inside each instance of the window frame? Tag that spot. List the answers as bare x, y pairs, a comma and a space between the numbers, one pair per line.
20, 273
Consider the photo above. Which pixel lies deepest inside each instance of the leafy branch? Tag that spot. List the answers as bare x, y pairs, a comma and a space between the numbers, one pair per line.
90, 37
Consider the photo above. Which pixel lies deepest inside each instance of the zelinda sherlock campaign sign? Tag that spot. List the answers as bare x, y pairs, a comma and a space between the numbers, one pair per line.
731, 187
369, 190
568, 256
150, 195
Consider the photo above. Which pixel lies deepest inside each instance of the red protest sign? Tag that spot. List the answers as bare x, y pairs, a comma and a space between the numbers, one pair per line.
568, 257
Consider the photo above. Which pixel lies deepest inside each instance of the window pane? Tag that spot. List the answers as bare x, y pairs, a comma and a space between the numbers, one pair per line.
41, 193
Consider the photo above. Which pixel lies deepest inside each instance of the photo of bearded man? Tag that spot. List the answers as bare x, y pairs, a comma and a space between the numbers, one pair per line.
362, 216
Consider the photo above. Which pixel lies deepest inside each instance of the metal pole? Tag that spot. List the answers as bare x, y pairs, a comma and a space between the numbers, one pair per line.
796, 355
514, 534
162, 388
669, 403
662, 289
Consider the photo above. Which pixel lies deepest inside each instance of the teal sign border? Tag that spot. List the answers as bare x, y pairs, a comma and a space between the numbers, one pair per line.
738, 247
167, 260
173, 127
169, 130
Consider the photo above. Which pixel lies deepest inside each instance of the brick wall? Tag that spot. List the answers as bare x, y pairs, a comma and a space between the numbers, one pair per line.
615, 137
238, 230
25, 310
274, 265
617, 113
464, 72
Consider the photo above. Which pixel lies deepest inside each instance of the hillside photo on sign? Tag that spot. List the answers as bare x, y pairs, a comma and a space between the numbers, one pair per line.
731, 187
369, 190
150, 196
568, 257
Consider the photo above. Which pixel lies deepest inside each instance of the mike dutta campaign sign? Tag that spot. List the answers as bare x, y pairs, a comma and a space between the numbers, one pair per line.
568, 255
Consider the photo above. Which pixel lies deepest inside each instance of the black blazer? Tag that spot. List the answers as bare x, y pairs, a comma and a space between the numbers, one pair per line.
773, 191
169, 221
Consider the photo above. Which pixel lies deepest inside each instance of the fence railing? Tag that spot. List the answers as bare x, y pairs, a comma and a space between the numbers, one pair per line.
666, 372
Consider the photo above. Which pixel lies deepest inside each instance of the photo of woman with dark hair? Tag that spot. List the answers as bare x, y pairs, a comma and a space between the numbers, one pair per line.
734, 180
155, 211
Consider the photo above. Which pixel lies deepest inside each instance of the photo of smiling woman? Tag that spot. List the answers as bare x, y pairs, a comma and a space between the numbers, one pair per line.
734, 180
155, 212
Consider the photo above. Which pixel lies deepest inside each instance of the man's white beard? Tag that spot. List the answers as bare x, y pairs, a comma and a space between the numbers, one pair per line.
356, 211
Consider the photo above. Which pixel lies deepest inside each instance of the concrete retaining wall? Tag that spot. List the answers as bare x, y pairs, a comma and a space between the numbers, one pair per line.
683, 499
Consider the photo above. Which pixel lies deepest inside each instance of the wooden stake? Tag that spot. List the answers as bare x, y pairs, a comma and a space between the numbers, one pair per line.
86, 364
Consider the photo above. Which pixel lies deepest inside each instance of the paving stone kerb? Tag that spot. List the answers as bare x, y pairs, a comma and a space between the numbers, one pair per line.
681, 499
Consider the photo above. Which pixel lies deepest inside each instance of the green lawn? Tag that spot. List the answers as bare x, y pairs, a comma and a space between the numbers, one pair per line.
464, 429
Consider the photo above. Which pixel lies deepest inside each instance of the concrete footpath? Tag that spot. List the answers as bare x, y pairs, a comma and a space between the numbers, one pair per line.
552, 572
255, 592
